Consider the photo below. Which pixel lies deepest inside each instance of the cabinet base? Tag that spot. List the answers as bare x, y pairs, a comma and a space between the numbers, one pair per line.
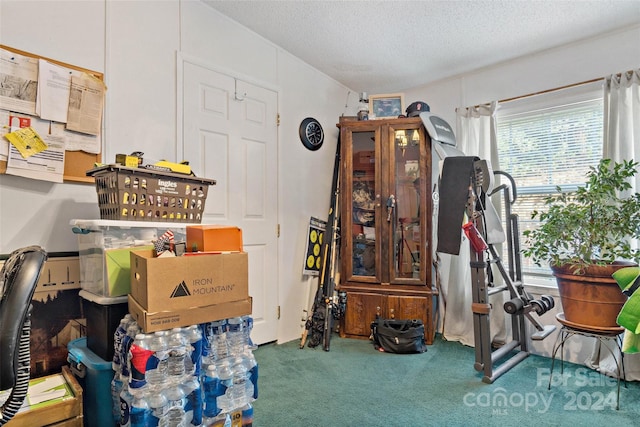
363, 305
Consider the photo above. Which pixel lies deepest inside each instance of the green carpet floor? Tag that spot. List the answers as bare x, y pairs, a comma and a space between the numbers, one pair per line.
354, 385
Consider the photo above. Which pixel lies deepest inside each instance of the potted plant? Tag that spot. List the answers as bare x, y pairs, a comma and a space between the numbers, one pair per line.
585, 237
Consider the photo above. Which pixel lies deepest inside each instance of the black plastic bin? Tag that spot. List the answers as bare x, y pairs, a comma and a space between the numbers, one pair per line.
103, 316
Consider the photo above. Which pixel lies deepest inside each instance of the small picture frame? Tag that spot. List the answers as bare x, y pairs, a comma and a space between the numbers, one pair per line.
386, 106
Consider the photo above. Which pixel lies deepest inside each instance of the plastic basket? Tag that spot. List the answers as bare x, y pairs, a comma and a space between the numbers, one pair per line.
137, 194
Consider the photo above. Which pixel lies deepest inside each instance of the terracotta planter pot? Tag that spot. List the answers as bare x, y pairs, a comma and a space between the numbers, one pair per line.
591, 299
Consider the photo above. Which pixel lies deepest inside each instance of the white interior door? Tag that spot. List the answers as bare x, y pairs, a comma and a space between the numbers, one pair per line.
230, 135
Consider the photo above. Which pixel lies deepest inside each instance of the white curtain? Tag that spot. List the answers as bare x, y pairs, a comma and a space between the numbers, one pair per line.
622, 122
622, 118
621, 142
476, 136
476, 130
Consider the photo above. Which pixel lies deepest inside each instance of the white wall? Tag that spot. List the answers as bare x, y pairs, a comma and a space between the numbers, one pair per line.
142, 38
135, 44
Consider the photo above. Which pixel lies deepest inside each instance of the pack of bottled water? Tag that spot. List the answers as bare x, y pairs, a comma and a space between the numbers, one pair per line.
201, 375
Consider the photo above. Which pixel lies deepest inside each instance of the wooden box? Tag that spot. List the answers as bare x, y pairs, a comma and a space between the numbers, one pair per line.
66, 411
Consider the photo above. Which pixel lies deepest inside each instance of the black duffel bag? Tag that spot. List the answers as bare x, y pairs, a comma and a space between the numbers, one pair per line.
398, 336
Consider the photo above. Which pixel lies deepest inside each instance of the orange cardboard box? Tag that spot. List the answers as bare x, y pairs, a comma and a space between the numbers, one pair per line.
214, 238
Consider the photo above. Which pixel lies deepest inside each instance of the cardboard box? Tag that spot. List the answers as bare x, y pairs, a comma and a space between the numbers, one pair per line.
160, 320
128, 161
214, 238
59, 274
179, 283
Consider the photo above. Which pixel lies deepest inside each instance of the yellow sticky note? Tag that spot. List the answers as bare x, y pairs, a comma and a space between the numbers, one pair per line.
27, 141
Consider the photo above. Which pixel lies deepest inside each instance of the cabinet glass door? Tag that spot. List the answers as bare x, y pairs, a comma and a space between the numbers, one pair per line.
405, 223
364, 200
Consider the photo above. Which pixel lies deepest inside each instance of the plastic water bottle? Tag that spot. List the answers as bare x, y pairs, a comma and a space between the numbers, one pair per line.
117, 385
206, 362
219, 339
159, 406
248, 327
194, 405
118, 337
177, 400
140, 411
252, 367
206, 344
140, 354
127, 340
211, 390
120, 358
156, 374
225, 373
235, 336
126, 398
196, 341
209, 347
240, 391
177, 345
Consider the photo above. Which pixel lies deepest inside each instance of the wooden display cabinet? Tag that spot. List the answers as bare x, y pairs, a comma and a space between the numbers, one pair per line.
386, 224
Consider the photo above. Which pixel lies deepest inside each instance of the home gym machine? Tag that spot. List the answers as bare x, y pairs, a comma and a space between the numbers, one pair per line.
484, 230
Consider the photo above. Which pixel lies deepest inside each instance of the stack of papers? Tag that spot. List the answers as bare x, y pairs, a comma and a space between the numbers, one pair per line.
43, 391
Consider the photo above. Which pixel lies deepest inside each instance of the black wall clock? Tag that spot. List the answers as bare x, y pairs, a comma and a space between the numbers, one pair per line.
311, 133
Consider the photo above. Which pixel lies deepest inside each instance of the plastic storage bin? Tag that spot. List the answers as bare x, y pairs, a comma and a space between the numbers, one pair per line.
103, 316
104, 247
94, 375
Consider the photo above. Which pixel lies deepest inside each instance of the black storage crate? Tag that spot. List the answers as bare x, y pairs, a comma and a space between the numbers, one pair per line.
103, 316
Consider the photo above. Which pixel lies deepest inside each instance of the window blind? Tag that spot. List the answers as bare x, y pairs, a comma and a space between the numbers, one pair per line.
550, 144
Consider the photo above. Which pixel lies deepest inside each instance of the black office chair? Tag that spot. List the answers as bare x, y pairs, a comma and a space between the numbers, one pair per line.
18, 280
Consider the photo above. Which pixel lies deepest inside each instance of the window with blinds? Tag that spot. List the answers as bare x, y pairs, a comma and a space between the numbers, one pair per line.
548, 141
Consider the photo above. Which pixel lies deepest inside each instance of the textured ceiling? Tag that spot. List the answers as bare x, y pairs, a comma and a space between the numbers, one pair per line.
389, 46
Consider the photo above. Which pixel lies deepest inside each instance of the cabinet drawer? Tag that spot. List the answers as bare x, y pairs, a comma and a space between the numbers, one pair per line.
362, 308
413, 307
361, 311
